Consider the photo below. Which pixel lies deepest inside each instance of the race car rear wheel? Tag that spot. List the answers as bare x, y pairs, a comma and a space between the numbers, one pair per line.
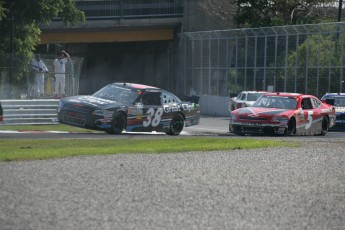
291, 130
176, 125
324, 126
118, 124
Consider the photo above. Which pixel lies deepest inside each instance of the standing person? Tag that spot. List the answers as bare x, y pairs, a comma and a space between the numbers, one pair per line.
60, 70
39, 68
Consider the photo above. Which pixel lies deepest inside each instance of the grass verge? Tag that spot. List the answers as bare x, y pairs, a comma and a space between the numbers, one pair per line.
29, 149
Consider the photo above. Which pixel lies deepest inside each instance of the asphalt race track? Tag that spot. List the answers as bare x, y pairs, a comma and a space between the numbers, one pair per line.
278, 188
209, 126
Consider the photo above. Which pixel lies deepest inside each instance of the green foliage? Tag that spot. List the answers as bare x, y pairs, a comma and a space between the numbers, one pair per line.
2, 10
27, 17
317, 57
22, 19
264, 13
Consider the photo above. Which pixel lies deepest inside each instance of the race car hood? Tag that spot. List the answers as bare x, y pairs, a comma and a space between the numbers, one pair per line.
91, 102
257, 111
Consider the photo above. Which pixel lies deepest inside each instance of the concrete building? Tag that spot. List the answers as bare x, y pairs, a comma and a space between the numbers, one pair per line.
127, 41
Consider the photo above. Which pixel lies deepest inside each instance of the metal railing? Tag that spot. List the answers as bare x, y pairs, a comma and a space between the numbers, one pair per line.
18, 82
117, 9
35, 111
297, 58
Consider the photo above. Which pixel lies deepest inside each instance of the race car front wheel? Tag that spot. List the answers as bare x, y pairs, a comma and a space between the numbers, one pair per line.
324, 126
118, 124
291, 130
176, 125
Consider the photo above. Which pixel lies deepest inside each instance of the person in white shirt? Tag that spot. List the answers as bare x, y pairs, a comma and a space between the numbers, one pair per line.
39, 68
60, 69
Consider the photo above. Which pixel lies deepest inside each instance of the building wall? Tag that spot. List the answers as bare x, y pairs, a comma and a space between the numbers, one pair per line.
152, 62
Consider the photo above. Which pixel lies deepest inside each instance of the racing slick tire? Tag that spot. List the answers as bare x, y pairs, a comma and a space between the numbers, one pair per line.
118, 124
291, 129
176, 125
324, 126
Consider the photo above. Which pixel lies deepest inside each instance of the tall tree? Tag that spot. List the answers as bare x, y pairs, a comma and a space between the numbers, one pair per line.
222, 10
20, 21
2, 10
262, 13
19, 35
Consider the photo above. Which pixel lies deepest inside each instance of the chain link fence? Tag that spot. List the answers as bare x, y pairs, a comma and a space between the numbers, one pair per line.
306, 59
17, 81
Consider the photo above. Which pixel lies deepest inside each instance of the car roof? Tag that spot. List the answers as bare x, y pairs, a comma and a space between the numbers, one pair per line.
285, 94
334, 94
134, 85
254, 91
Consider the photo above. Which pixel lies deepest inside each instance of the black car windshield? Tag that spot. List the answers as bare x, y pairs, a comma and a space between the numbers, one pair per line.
117, 93
276, 102
253, 96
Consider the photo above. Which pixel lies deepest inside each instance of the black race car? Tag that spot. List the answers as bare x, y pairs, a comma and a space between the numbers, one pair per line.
130, 107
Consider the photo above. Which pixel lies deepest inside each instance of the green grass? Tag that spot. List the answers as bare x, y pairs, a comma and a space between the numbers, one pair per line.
30, 149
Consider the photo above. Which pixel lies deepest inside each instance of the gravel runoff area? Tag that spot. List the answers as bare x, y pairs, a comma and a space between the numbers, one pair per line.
279, 188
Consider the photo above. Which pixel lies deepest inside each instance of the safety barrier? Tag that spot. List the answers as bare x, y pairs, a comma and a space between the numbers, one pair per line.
35, 111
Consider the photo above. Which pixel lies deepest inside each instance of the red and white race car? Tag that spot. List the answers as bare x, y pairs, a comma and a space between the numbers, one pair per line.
284, 113
244, 99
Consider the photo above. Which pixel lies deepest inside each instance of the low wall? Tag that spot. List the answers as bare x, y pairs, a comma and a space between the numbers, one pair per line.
214, 105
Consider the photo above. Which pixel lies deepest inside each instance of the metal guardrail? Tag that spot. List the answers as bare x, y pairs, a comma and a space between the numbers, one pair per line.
35, 111
120, 9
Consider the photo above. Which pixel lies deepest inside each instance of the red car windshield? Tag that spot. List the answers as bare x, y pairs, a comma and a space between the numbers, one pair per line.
276, 102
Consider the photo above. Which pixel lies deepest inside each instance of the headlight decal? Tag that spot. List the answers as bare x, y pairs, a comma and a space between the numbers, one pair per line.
280, 119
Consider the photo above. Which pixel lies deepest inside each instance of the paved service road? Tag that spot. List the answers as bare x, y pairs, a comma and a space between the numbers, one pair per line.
279, 188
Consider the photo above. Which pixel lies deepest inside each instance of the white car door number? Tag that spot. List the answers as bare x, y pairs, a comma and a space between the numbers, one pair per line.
153, 118
309, 119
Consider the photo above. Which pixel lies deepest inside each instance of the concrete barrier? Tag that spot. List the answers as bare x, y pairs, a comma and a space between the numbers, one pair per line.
214, 105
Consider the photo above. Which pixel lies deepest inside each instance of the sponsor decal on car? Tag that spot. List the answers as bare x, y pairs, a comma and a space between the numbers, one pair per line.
174, 108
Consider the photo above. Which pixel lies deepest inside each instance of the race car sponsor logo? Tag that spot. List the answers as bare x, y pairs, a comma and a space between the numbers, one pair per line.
135, 111
340, 109
174, 108
189, 107
139, 116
